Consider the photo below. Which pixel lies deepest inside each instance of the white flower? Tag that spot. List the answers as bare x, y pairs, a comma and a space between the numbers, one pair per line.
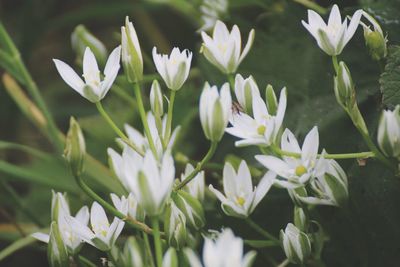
174, 69
141, 141
226, 250
241, 197
330, 188
245, 91
134, 210
223, 50
71, 240
102, 234
149, 181
196, 186
131, 53
215, 109
295, 172
389, 132
175, 226
334, 36
262, 128
170, 258
93, 89
296, 244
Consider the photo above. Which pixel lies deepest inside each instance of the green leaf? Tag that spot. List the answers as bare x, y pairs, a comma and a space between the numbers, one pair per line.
17, 245
390, 79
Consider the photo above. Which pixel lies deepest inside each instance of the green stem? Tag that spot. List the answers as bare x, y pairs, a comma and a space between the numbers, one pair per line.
157, 241
359, 155
167, 133
261, 231
335, 63
130, 221
142, 112
231, 79
149, 255
199, 166
110, 122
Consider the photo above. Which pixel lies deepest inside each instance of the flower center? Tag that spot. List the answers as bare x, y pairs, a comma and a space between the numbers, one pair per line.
240, 201
261, 129
300, 170
222, 47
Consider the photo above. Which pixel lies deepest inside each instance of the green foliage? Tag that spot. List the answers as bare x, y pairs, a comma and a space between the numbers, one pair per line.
390, 79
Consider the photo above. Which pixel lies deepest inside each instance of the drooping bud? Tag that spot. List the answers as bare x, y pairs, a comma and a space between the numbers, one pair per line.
175, 226
75, 148
156, 99
296, 244
82, 38
374, 39
272, 102
131, 54
389, 132
57, 254
191, 208
344, 87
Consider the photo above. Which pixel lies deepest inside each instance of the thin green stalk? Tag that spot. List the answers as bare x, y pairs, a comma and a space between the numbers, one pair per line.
231, 80
261, 230
130, 221
157, 241
335, 63
199, 166
376, 151
284, 263
142, 112
149, 255
359, 155
110, 122
167, 133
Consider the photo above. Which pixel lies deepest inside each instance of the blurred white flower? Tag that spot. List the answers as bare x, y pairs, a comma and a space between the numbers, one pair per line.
211, 11
263, 127
241, 198
226, 250
174, 69
224, 49
94, 88
131, 53
295, 172
134, 210
334, 36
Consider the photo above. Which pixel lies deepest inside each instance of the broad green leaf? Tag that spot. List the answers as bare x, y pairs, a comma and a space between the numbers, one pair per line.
390, 79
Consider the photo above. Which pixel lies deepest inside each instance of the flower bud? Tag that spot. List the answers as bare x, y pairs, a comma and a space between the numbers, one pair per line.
58, 205
344, 87
301, 220
272, 102
156, 99
75, 148
170, 258
296, 244
389, 132
196, 187
374, 39
131, 54
132, 254
191, 208
215, 109
175, 226
245, 89
82, 38
57, 254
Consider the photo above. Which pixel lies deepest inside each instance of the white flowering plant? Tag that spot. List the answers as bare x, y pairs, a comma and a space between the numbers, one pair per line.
215, 154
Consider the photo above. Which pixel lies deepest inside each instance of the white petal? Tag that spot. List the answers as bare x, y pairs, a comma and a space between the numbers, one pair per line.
70, 76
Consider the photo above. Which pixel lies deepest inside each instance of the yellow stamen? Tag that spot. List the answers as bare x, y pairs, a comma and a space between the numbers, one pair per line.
240, 201
261, 129
300, 170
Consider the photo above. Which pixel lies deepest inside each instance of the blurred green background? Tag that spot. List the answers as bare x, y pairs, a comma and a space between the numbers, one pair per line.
365, 233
